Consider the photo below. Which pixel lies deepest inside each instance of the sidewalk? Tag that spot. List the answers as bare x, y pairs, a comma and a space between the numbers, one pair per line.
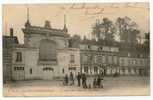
112, 86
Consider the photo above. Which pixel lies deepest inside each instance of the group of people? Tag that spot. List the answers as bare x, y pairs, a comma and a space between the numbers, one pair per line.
82, 80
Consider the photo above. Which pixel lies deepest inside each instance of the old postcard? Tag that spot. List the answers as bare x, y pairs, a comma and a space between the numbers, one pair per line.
76, 49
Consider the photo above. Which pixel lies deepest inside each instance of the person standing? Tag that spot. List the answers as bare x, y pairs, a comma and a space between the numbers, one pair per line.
71, 78
79, 78
84, 78
98, 81
95, 83
66, 79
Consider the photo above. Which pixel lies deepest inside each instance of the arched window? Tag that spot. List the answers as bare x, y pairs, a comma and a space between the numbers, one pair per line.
47, 50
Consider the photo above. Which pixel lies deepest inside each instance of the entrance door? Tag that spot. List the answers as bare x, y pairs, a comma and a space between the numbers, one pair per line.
19, 75
48, 73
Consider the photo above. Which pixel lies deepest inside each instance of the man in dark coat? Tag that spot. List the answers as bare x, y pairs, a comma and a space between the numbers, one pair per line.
66, 81
79, 78
95, 83
71, 78
84, 78
99, 81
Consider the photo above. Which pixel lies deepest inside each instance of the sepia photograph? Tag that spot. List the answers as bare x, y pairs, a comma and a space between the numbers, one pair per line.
76, 49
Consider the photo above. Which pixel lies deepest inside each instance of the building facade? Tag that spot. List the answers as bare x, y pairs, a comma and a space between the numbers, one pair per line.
8, 43
45, 54
112, 59
98, 58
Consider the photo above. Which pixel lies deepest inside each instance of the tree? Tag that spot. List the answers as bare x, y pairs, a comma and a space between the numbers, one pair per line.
104, 30
96, 30
127, 30
147, 41
74, 41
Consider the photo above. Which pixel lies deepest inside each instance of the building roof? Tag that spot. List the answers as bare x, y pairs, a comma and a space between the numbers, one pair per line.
45, 30
9, 41
100, 42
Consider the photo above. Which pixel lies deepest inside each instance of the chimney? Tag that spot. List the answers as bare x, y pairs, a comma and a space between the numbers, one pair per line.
11, 32
47, 24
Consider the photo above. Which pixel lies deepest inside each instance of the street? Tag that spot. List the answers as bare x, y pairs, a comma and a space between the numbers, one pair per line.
113, 86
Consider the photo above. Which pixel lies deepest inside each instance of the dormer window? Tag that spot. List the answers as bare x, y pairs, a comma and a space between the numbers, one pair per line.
129, 54
47, 24
100, 48
72, 58
89, 47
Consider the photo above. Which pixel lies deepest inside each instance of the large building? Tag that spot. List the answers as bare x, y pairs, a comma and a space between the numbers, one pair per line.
45, 54
49, 53
98, 57
8, 43
113, 58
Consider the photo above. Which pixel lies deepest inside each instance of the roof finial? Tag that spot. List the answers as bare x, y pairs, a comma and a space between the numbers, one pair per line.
27, 13
65, 28
28, 22
64, 19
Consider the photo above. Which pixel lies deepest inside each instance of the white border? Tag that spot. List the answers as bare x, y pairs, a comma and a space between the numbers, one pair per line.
84, 98
68, 1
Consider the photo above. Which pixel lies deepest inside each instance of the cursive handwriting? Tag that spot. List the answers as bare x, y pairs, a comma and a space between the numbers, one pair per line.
84, 6
100, 11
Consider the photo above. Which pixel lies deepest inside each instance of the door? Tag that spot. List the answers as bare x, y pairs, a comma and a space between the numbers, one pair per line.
48, 73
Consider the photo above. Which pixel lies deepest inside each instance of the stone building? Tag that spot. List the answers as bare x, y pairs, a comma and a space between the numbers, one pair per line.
113, 58
134, 60
98, 57
49, 53
8, 43
45, 54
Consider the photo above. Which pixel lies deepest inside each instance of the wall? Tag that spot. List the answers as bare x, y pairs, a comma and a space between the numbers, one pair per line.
17, 73
64, 61
34, 40
31, 61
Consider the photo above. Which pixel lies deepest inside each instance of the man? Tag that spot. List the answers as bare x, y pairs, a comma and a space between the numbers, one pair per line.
84, 78
78, 78
71, 78
95, 83
66, 80
99, 81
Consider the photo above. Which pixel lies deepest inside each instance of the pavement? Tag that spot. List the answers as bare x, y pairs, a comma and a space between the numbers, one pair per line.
113, 86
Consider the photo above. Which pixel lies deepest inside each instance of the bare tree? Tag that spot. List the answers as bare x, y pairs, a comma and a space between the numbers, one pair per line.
147, 41
127, 30
104, 30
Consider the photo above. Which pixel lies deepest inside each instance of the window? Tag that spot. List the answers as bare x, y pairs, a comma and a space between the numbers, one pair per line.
95, 69
47, 69
129, 54
95, 59
134, 61
100, 48
63, 71
85, 58
99, 59
89, 47
47, 50
122, 61
115, 59
18, 56
110, 59
72, 59
129, 61
30, 70
86, 69
103, 59
18, 68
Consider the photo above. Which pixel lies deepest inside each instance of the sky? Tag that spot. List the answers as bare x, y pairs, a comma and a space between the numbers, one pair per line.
79, 17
